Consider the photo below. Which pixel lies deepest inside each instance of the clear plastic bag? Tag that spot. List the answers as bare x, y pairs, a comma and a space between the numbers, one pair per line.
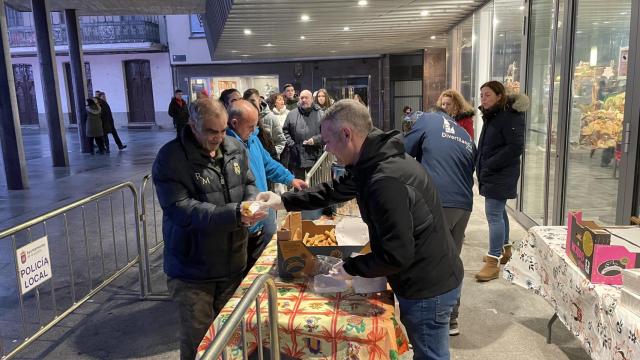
327, 284
324, 264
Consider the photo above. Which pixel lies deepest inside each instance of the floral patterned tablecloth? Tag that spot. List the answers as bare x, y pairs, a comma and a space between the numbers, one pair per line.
590, 312
317, 326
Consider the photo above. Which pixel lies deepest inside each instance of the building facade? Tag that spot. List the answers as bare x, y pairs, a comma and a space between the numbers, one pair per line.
125, 56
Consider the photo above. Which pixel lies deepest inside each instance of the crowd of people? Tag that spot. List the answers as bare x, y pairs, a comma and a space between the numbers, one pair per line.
414, 191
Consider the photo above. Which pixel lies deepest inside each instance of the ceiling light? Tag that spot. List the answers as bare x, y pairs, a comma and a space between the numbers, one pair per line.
302, 37
623, 13
606, 22
521, 8
269, 44
245, 55
579, 32
234, 51
595, 23
424, 13
247, 31
433, 37
362, 3
501, 34
304, 17
332, 51
346, 28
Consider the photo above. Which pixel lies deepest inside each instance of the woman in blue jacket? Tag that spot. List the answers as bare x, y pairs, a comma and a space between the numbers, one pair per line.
498, 167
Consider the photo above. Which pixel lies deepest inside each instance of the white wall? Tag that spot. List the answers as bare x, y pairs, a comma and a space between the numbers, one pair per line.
181, 43
107, 74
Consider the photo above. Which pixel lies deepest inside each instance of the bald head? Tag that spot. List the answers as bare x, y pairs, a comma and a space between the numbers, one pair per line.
306, 99
243, 118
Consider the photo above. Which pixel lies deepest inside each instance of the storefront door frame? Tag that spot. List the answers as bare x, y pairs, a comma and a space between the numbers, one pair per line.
629, 167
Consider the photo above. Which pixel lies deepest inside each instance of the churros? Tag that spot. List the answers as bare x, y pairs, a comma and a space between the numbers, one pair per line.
328, 238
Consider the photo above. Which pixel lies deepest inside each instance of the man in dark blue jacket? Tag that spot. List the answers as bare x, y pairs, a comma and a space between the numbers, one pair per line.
410, 242
447, 153
201, 179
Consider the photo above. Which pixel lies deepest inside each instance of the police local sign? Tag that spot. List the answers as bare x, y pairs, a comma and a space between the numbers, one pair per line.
34, 264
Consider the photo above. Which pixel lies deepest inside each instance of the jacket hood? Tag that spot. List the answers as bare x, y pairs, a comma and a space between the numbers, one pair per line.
464, 115
307, 112
379, 146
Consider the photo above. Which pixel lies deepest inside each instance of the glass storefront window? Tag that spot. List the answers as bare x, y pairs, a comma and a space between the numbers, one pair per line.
597, 108
466, 58
507, 42
265, 84
535, 150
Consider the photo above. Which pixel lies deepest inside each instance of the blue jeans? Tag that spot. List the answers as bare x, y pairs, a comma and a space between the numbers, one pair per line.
427, 324
498, 225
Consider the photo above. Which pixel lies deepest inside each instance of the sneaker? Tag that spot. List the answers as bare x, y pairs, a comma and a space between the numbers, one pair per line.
453, 329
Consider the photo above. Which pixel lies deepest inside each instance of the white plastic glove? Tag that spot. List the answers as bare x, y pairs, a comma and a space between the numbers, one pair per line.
337, 272
271, 200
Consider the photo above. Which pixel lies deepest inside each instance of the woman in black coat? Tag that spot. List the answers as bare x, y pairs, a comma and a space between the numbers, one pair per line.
498, 167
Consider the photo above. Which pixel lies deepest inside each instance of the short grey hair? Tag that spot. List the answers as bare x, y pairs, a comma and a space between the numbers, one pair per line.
349, 112
205, 108
237, 109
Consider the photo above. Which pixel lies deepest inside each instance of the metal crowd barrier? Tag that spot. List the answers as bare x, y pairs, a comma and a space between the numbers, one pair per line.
151, 226
68, 279
321, 170
226, 332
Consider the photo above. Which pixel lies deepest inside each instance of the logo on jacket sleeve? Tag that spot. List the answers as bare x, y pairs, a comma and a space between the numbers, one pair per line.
236, 168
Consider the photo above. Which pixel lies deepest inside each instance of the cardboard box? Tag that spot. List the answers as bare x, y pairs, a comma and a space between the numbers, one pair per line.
602, 260
295, 259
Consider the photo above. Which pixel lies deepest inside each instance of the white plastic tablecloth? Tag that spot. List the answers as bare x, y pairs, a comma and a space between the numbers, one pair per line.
590, 312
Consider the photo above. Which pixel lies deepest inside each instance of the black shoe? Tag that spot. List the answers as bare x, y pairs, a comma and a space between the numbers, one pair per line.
107, 151
122, 147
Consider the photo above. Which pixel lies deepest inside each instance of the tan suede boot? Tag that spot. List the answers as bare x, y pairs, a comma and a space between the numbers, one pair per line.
506, 255
490, 270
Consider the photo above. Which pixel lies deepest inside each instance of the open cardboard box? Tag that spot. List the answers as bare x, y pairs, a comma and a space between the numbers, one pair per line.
295, 259
599, 256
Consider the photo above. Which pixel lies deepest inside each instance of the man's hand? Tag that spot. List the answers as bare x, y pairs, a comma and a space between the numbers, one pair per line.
299, 184
252, 219
337, 272
271, 200
308, 142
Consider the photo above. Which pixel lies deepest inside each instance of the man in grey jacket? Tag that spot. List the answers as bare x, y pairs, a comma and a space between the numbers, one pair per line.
302, 132
202, 178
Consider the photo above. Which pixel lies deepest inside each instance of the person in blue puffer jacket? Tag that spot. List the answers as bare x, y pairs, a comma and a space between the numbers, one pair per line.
243, 120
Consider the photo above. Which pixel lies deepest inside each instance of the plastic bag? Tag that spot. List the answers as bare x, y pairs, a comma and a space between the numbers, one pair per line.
325, 284
324, 264
251, 208
369, 285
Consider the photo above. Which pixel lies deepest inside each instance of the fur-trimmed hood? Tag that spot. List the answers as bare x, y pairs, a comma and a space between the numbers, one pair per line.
518, 102
515, 103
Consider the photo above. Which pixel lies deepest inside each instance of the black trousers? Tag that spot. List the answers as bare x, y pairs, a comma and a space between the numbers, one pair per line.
99, 141
116, 138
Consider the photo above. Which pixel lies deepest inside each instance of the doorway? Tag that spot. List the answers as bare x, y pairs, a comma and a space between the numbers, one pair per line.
72, 101
139, 91
356, 88
25, 94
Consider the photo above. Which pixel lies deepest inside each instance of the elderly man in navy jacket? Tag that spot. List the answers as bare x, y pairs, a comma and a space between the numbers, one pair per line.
447, 152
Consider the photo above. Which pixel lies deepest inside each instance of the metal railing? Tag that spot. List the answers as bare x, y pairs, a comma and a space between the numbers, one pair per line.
150, 228
321, 170
226, 332
133, 31
68, 281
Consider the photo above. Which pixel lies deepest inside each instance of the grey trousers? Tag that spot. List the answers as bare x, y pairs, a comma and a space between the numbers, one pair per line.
457, 220
198, 304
